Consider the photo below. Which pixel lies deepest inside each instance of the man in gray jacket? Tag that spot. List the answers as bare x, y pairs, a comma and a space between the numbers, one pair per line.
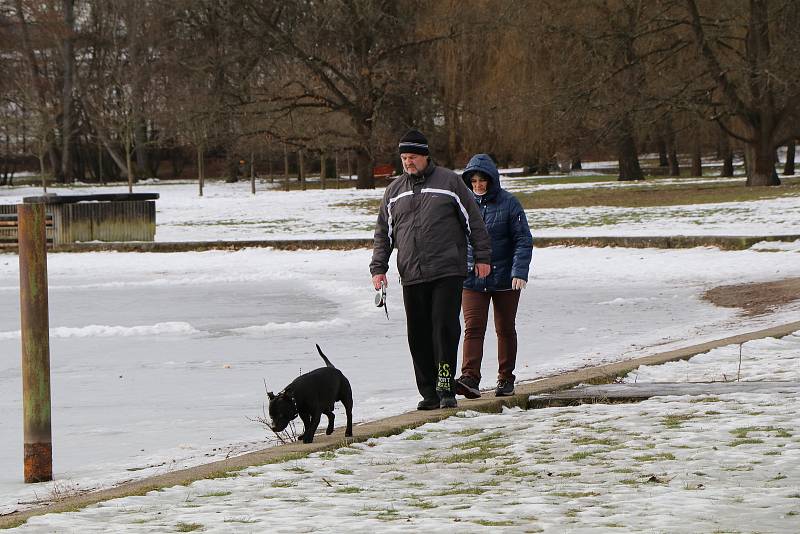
428, 214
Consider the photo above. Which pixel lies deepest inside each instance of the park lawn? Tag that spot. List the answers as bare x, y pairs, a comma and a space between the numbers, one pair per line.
649, 194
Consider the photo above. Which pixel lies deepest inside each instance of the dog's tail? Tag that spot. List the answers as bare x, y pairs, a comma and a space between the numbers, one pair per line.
327, 361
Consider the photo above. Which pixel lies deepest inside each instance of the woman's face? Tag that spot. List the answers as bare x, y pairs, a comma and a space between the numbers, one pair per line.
480, 184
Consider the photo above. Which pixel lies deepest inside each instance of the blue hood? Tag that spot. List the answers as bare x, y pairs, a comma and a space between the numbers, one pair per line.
484, 164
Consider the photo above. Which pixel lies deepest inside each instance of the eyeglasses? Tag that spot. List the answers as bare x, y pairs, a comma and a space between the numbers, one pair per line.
380, 299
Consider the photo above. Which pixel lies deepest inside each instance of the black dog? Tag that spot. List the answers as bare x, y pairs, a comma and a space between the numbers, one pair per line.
310, 395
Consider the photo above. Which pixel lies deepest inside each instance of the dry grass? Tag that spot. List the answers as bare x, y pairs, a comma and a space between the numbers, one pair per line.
651, 193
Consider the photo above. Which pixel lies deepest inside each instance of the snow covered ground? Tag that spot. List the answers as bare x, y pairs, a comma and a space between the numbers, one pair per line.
677, 464
230, 212
158, 359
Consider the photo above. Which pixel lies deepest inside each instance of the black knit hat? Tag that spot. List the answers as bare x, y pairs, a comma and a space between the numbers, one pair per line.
414, 142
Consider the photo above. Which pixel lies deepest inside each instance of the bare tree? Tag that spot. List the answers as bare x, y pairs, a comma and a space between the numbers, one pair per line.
344, 57
751, 56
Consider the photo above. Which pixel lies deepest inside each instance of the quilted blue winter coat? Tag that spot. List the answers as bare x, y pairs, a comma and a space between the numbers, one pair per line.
512, 244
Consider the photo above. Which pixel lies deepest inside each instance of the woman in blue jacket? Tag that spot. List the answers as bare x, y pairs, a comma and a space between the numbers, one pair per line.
512, 247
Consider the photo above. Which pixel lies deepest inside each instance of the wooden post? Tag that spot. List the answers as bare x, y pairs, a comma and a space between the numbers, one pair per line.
349, 167
35, 341
336, 167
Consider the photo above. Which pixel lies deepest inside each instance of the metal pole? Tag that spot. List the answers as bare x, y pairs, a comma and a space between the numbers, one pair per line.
35, 340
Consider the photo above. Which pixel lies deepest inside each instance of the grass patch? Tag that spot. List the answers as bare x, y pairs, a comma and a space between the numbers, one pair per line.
297, 469
675, 421
654, 457
349, 489
470, 490
416, 436
489, 523
283, 484
575, 494
742, 432
187, 527
651, 193
582, 455
745, 441
705, 399
422, 504
343, 472
595, 441
216, 494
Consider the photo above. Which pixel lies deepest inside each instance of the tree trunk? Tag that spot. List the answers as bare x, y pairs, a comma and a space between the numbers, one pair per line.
727, 165
671, 148
253, 172
38, 85
301, 166
576, 164
129, 164
759, 161
726, 154
322, 169
200, 170
285, 168
364, 167
269, 162
628, 156
140, 137
788, 168
697, 161
41, 169
68, 65
663, 160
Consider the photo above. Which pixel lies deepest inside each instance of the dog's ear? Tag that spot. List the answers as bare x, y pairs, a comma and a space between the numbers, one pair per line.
270, 395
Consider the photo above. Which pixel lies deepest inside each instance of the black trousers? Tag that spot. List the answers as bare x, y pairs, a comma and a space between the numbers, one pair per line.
434, 329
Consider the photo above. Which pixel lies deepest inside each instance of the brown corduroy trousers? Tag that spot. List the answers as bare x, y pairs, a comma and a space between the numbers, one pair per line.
475, 305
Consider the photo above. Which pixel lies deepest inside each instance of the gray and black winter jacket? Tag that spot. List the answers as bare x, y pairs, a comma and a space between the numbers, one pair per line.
429, 219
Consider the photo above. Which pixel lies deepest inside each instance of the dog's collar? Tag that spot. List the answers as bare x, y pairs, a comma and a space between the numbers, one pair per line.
285, 393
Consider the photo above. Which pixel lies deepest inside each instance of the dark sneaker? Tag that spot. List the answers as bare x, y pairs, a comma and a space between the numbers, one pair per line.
468, 387
448, 401
504, 388
428, 404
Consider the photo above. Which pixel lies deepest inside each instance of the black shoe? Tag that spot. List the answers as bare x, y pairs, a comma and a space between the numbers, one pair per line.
428, 404
468, 387
448, 401
504, 388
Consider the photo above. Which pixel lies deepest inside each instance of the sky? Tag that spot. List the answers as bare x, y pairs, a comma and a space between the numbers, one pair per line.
159, 361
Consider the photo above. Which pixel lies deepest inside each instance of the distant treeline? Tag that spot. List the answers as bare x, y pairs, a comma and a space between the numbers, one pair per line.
107, 89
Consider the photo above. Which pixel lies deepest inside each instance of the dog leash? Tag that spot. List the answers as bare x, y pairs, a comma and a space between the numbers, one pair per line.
380, 299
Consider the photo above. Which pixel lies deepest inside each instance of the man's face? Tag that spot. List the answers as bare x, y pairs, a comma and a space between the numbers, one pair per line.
413, 163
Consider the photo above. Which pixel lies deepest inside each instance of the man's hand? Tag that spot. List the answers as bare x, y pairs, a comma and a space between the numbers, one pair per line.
377, 279
518, 283
482, 270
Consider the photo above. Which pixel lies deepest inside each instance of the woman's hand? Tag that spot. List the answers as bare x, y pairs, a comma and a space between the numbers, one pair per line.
518, 284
